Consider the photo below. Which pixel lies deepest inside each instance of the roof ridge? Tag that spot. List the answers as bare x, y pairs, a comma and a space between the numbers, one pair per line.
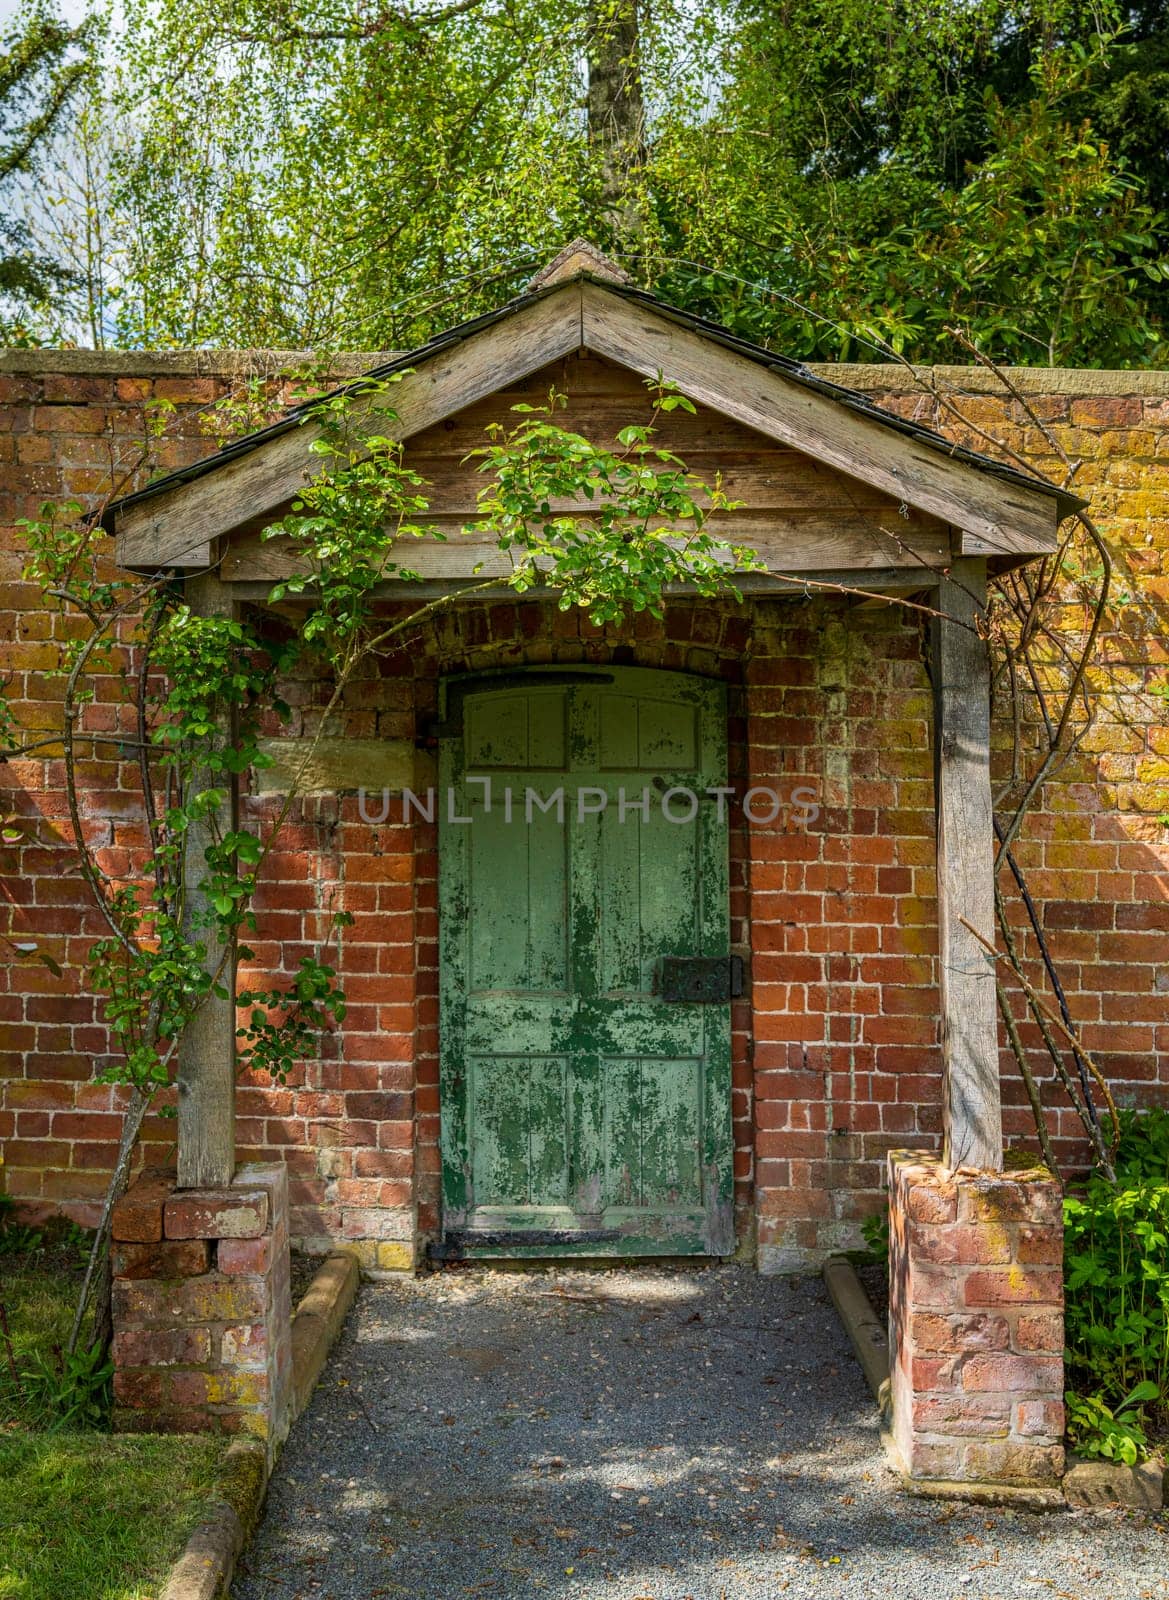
580, 255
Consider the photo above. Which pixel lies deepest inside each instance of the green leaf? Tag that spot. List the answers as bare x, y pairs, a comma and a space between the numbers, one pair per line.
1145, 1391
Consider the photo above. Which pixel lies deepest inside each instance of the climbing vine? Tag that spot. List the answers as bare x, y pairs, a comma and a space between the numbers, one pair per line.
196, 689
1045, 621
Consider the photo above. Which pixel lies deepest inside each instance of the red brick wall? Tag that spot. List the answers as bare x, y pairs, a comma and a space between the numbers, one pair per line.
362, 1133
845, 1003
836, 1050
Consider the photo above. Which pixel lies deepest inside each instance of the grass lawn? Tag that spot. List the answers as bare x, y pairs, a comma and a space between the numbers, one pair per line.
38, 1291
84, 1515
87, 1516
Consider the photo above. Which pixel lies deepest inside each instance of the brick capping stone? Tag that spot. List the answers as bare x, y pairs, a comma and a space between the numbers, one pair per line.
212, 1214
883, 376
976, 1323
202, 1306
184, 363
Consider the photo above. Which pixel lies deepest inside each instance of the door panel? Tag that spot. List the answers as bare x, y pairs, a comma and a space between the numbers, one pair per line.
581, 1112
647, 735
651, 895
517, 1110
653, 1110
518, 883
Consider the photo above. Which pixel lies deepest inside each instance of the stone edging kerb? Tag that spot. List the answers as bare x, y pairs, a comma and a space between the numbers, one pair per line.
204, 1570
869, 1336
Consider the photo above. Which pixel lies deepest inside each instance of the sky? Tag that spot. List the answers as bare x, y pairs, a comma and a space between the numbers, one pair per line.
70, 11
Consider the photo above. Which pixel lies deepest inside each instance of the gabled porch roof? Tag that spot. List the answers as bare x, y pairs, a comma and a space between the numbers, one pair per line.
581, 303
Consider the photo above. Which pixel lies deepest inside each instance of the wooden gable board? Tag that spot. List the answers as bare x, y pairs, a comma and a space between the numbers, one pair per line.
798, 514
175, 527
995, 516
1005, 517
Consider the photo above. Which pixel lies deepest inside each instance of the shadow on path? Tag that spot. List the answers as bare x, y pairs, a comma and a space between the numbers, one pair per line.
640, 1434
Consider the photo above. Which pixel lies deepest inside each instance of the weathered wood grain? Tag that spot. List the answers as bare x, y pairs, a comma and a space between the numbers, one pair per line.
786, 541
797, 513
177, 527
767, 481
879, 580
163, 530
599, 417
960, 669
1008, 516
206, 1056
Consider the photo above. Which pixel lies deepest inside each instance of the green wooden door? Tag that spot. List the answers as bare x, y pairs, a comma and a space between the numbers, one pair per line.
582, 1111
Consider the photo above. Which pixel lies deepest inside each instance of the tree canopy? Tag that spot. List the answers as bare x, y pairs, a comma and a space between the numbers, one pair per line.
832, 177
43, 64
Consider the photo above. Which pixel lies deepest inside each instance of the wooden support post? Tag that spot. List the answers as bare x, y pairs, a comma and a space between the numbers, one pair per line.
960, 668
206, 1057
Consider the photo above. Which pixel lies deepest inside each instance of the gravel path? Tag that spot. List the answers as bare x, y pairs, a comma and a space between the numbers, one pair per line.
644, 1435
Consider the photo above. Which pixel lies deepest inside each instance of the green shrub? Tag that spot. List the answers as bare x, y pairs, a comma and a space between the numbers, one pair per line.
41, 1385
1142, 1156
69, 1391
1117, 1435
15, 1238
1116, 1283
876, 1232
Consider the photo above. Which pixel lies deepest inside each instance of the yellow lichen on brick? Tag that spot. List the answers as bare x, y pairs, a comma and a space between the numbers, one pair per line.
255, 1423
395, 1256
383, 1255
237, 1388
997, 1239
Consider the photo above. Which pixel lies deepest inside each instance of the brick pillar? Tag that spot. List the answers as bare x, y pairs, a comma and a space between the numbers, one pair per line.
976, 1323
202, 1308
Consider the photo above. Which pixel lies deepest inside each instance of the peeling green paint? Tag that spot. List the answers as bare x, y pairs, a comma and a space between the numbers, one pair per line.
573, 1098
